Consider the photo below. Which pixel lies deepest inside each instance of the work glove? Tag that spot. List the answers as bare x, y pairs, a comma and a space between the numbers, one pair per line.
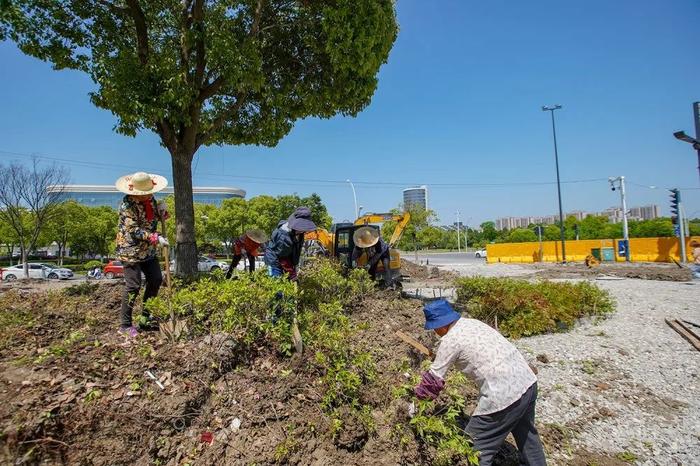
157, 239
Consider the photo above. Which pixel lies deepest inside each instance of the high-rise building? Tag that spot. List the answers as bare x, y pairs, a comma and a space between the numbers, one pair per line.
647, 212
108, 195
416, 197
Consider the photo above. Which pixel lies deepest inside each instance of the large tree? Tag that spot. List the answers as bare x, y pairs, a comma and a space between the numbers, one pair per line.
201, 72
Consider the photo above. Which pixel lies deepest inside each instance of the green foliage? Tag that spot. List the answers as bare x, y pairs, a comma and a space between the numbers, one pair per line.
440, 423
525, 308
243, 308
90, 265
521, 235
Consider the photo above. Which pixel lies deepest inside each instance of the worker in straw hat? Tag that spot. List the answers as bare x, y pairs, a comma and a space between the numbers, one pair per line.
507, 384
368, 241
137, 239
247, 245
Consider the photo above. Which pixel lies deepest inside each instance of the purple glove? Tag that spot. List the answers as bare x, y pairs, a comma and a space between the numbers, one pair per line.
430, 386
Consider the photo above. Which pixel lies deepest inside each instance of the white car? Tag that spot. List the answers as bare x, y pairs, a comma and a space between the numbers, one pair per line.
205, 264
42, 271
479, 253
54, 272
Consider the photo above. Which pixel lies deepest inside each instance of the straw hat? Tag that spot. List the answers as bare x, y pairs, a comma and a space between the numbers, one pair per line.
366, 237
141, 183
256, 235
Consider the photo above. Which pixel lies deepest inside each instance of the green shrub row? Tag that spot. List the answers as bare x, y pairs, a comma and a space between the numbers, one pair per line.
522, 308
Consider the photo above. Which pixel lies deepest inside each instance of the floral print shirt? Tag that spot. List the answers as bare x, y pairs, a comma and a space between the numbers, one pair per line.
134, 230
486, 357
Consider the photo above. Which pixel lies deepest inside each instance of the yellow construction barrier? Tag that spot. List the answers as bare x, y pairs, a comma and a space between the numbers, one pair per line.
641, 250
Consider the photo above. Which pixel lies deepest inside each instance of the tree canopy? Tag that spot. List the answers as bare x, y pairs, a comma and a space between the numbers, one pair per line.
199, 72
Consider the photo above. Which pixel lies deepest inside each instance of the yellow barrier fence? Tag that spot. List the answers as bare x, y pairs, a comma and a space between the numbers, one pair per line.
641, 250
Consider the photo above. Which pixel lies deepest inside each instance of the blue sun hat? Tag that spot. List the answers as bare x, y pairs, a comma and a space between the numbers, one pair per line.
439, 313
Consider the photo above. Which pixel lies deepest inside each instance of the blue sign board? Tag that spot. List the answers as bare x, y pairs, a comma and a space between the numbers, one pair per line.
622, 248
677, 230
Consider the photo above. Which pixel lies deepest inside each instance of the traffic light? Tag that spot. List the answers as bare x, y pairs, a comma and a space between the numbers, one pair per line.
675, 201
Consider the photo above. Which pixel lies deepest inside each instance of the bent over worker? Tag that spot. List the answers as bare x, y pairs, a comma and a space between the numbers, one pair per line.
507, 385
137, 238
368, 241
247, 246
284, 248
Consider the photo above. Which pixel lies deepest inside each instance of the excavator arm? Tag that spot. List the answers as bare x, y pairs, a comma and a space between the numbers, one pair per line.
400, 219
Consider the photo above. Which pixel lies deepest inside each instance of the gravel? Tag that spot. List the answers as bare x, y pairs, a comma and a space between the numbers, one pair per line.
627, 386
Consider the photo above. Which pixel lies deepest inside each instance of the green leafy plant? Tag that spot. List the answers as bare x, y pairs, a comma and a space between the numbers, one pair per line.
522, 308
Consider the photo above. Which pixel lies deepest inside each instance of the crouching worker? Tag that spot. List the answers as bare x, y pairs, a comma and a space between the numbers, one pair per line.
368, 241
284, 249
507, 385
137, 239
247, 246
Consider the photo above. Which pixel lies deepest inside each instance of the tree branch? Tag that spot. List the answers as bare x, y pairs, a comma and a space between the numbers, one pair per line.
221, 120
139, 18
198, 17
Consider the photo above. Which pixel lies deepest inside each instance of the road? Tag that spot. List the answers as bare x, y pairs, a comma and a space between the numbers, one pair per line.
444, 258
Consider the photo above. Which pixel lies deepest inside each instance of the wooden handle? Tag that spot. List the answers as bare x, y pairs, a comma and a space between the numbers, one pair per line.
415, 343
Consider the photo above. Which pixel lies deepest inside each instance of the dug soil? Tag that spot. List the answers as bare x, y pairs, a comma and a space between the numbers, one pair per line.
645, 271
74, 391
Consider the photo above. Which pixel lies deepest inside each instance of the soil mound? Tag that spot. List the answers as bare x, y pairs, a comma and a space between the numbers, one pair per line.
74, 391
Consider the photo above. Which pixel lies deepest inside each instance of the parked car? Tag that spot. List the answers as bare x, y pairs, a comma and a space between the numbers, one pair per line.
205, 264
55, 272
113, 269
480, 253
35, 271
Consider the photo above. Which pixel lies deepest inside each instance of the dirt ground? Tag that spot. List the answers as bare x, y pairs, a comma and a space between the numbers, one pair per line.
644, 271
73, 391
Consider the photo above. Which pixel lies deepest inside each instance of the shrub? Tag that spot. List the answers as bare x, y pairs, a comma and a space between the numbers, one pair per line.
524, 308
89, 265
440, 423
243, 308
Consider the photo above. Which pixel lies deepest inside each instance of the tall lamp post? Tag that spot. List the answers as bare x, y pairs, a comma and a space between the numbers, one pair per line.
620, 180
551, 110
459, 248
680, 135
354, 196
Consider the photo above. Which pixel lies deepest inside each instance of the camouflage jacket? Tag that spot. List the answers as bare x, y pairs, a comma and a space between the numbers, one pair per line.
134, 229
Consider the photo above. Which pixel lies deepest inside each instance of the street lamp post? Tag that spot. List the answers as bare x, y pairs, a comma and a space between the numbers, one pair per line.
620, 180
354, 196
459, 247
551, 109
680, 135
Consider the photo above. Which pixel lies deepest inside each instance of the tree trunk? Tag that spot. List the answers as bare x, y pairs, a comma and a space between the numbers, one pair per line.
186, 245
25, 265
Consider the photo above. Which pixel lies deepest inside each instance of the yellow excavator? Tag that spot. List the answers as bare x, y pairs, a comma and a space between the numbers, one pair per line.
339, 240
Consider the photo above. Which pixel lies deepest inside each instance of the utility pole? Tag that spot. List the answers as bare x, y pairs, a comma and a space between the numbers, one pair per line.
459, 247
539, 236
696, 117
354, 196
551, 109
681, 136
620, 180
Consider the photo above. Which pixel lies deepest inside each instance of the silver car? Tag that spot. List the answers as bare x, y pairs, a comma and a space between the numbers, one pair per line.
53, 272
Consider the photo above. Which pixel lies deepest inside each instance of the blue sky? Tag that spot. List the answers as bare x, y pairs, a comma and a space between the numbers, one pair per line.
458, 103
